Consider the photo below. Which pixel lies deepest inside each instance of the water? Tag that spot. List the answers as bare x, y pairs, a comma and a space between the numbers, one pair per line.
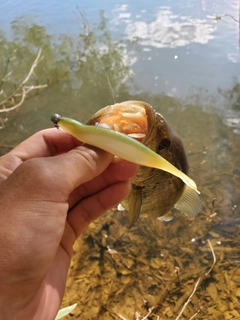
181, 57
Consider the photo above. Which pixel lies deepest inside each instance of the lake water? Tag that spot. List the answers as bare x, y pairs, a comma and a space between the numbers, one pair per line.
182, 57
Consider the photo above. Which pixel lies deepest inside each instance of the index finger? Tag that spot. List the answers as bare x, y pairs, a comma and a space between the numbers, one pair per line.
45, 143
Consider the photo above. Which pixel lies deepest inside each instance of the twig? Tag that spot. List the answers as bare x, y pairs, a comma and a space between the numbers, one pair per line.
35, 63
5, 72
116, 314
197, 283
24, 81
22, 89
214, 258
84, 23
150, 310
86, 32
229, 15
194, 315
218, 18
30, 88
189, 299
120, 316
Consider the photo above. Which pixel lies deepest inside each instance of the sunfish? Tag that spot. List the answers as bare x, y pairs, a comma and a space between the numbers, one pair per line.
154, 192
141, 135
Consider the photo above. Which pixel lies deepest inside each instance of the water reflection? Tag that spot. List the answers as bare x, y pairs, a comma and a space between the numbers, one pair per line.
167, 30
87, 73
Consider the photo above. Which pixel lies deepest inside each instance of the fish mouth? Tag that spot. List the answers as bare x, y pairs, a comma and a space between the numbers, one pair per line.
132, 118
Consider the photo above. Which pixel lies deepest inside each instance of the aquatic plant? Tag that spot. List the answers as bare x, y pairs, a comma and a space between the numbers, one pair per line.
65, 311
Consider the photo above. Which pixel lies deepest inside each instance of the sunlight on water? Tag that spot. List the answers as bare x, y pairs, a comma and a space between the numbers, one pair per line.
166, 30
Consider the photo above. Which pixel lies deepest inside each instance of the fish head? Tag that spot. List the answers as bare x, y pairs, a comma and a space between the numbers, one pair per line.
139, 120
164, 141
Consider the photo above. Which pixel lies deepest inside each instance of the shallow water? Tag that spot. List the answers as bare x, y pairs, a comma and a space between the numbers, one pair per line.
181, 57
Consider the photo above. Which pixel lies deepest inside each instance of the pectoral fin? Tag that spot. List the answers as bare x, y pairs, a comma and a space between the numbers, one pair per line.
134, 205
166, 217
189, 203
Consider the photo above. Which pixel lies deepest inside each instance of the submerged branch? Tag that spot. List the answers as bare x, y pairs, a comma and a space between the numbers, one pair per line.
214, 258
189, 298
199, 280
16, 99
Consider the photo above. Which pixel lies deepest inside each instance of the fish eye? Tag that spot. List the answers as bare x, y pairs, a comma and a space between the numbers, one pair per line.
164, 144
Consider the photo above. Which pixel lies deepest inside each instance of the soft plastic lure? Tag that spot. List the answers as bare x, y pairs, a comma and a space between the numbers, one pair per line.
120, 145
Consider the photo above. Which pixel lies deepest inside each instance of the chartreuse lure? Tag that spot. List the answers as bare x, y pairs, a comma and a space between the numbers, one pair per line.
119, 145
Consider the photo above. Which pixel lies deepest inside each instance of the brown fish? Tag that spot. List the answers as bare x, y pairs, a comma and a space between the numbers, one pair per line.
154, 192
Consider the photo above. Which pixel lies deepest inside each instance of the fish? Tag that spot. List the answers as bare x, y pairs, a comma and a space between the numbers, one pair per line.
154, 192
138, 134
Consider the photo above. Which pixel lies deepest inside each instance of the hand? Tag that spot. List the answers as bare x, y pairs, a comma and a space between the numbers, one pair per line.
51, 188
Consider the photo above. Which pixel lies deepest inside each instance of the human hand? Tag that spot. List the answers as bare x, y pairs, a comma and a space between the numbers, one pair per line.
51, 188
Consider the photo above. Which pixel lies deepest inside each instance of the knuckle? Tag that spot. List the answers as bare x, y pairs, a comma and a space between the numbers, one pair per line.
89, 157
36, 172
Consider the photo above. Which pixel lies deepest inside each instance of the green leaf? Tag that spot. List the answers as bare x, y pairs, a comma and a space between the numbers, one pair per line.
65, 311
